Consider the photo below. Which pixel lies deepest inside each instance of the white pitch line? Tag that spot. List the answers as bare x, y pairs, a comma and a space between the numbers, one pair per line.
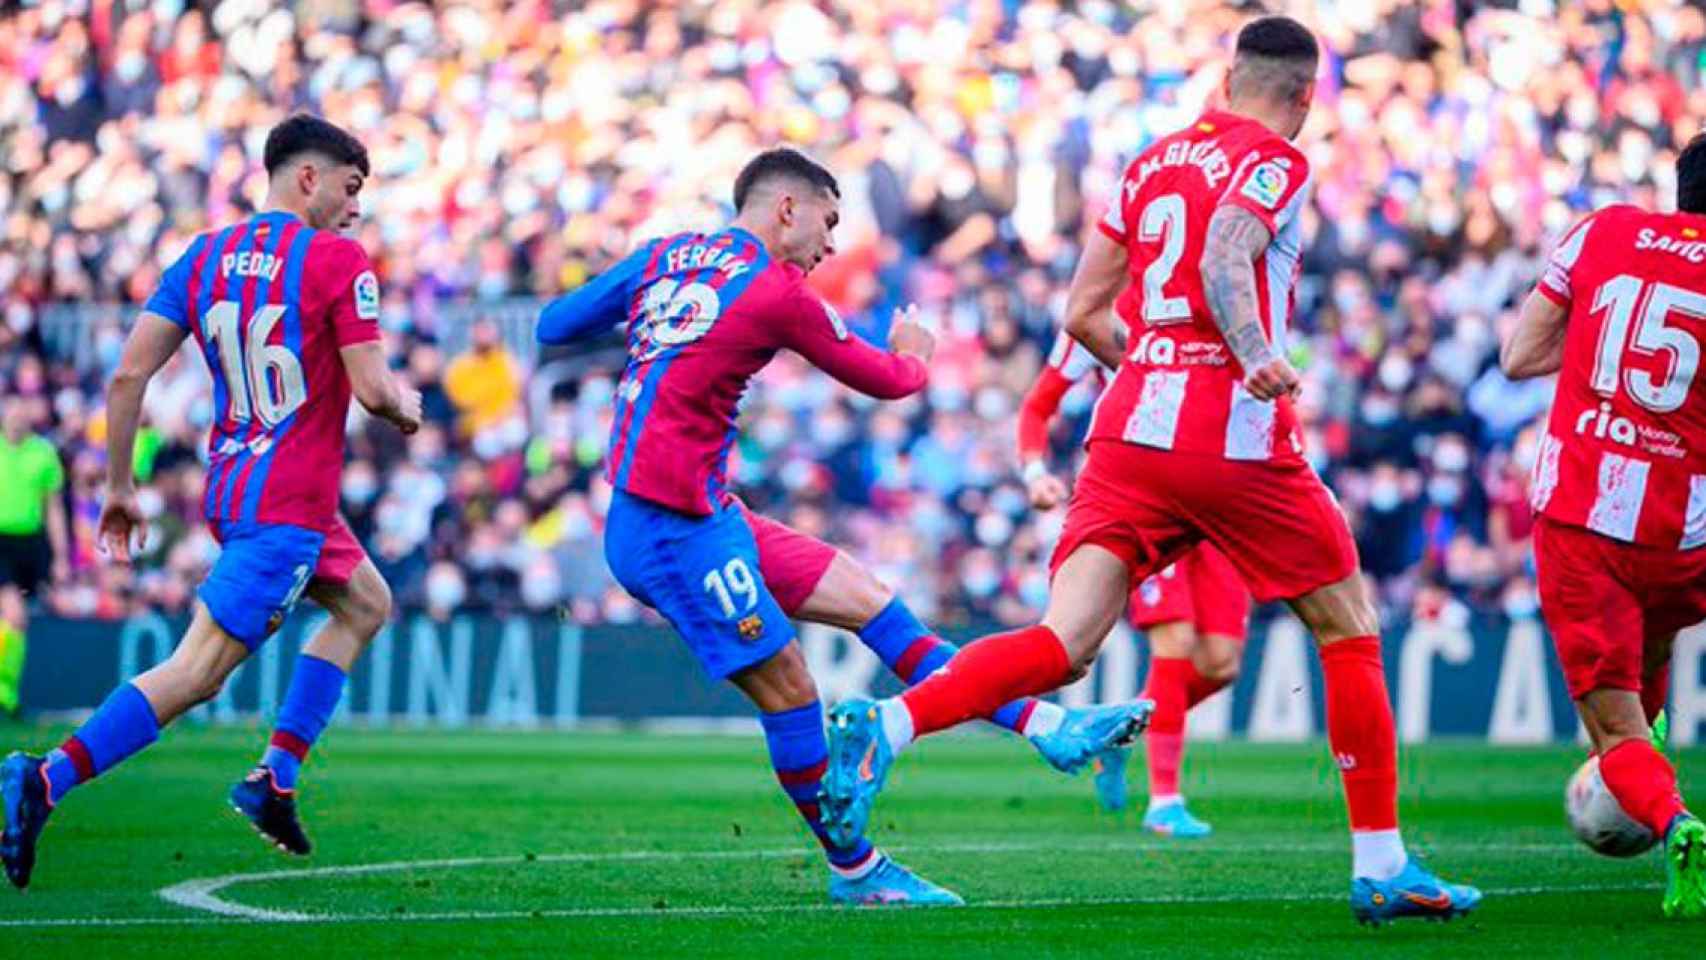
774, 908
203, 894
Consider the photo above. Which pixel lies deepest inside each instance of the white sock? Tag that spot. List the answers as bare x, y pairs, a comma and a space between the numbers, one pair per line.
1160, 800
853, 873
1377, 854
897, 723
1045, 719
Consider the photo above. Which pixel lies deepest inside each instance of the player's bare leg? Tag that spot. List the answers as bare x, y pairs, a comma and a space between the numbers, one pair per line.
1644, 783
1085, 599
1655, 685
359, 609
126, 722
783, 690
849, 596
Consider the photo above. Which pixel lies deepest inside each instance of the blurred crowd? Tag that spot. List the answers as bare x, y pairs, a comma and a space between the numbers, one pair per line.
519, 147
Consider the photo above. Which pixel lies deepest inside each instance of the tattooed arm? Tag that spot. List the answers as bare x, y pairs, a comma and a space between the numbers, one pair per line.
1235, 238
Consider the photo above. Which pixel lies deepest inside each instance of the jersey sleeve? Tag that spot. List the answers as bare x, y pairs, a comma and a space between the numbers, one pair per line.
812, 328
597, 305
1112, 223
354, 297
1269, 182
171, 298
1554, 283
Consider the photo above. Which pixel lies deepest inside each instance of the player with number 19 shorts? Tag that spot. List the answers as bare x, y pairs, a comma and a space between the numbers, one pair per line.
285, 311
704, 312
1620, 487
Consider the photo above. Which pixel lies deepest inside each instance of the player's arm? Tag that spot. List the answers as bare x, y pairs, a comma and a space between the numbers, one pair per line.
1536, 347
1236, 237
1036, 412
597, 305
377, 388
811, 329
1101, 275
151, 343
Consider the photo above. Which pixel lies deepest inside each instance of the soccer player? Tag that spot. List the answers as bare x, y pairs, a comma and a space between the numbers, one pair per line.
1195, 613
285, 311
1194, 440
1620, 487
705, 312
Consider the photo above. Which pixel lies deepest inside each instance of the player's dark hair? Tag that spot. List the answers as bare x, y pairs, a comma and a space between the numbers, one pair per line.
1691, 176
305, 133
1276, 58
779, 163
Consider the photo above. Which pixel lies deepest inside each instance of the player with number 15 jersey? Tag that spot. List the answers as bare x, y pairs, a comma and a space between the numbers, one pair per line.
1620, 485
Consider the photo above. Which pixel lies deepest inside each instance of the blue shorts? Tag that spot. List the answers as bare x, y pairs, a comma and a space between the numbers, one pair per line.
259, 576
702, 574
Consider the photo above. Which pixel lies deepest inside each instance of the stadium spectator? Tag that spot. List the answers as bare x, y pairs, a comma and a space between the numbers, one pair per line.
521, 148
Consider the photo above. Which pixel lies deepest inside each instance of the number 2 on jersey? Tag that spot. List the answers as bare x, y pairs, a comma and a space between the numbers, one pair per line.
263, 379
1164, 220
1621, 297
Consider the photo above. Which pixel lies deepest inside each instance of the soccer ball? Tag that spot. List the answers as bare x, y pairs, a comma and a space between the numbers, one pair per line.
1598, 819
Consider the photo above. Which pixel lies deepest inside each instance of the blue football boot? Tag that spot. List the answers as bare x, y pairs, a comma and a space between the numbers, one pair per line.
1109, 769
1087, 732
272, 811
1414, 892
890, 885
859, 761
25, 795
1173, 820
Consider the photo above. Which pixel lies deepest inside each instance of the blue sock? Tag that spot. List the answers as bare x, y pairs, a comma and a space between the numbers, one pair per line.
315, 689
908, 648
799, 753
122, 725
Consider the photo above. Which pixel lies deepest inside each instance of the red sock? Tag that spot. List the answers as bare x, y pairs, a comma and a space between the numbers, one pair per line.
986, 674
1643, 782
1169, 679
1199, 688
1655, 691
1360, 731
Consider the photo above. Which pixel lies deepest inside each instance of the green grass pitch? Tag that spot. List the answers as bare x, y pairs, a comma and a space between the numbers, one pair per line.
672, 846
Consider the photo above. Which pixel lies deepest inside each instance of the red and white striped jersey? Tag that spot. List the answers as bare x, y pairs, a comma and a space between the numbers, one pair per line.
1624, 453
1180, 388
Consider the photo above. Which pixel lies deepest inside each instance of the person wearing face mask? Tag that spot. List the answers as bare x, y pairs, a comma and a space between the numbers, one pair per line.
285, 311
704, 313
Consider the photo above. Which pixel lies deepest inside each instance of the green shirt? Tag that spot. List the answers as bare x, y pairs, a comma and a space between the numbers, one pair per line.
29, 471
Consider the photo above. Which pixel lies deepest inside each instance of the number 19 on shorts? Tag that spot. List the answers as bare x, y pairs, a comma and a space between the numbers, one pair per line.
734, 581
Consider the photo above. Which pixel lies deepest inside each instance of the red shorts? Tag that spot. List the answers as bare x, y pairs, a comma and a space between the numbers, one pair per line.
790, 562
1275, 521
1201, 588
339, 555
1607, 602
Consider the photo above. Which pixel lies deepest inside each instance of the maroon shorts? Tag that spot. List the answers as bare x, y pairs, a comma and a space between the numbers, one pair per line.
790, 562
1607, 602
339, 555
1201, 588
1276, 522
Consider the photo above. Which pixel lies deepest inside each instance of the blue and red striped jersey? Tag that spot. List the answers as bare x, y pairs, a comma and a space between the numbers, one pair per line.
270, 302
704, 313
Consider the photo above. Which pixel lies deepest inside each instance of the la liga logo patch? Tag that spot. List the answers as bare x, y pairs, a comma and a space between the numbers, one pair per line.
367, 296
1266, 184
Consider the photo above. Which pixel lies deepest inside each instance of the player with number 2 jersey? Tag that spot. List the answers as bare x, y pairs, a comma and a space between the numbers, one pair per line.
1620, 486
